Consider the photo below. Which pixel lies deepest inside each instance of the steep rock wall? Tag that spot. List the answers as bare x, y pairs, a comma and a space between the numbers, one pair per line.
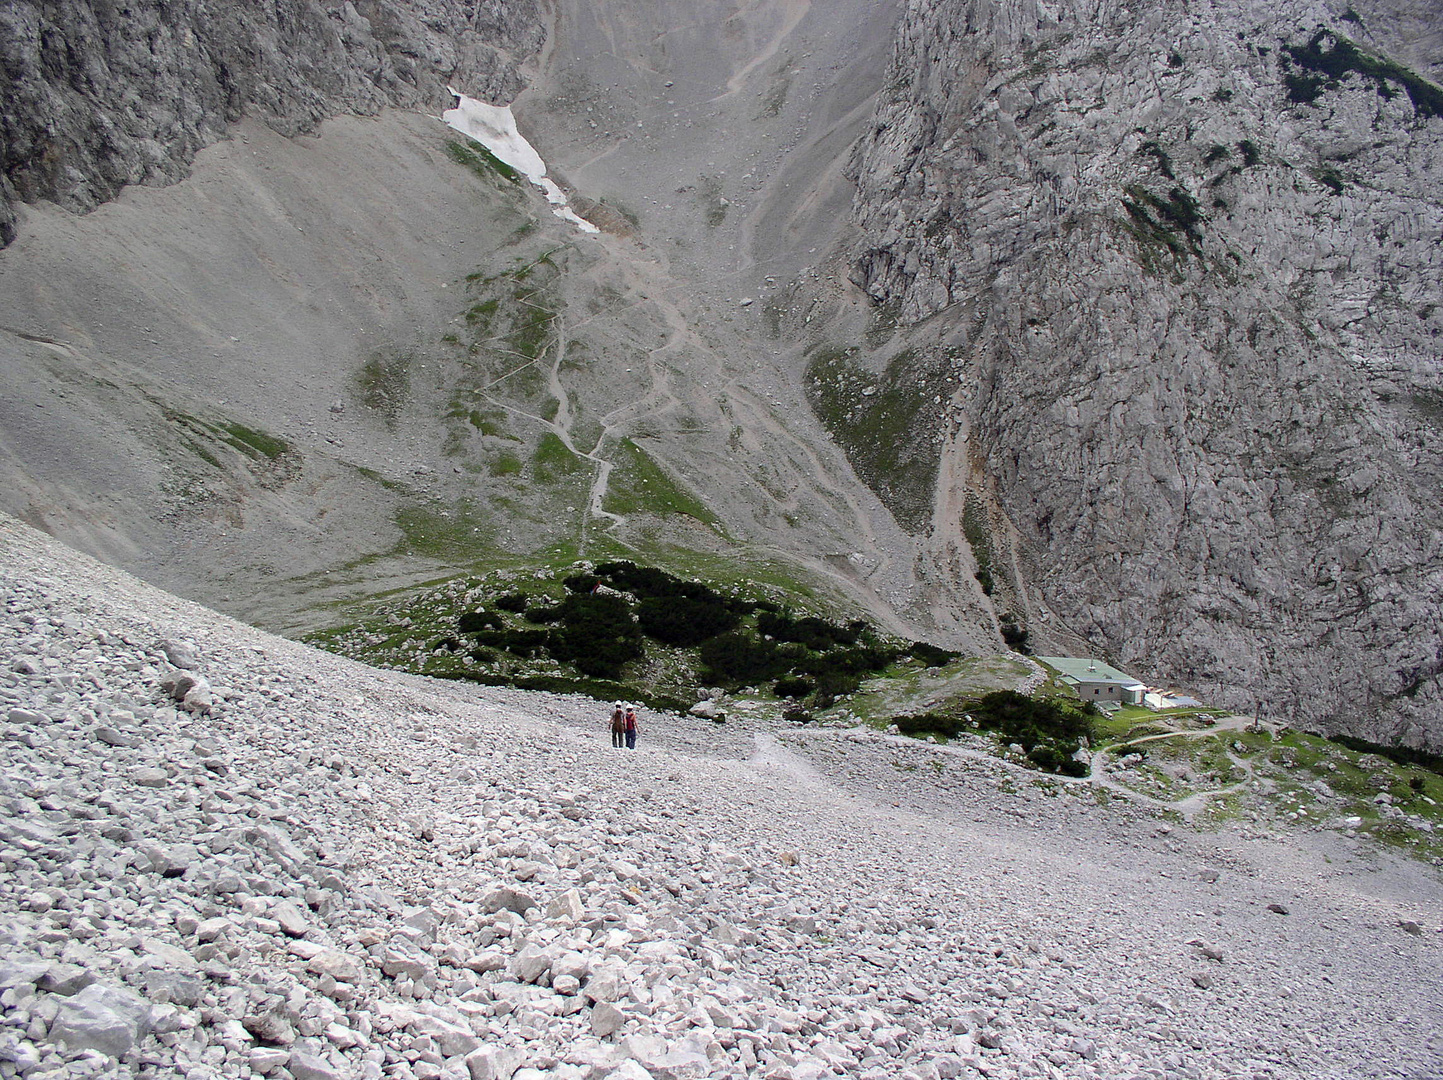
97, 95
1197, 245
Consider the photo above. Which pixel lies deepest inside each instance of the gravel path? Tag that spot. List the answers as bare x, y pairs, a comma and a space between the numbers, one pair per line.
312, 869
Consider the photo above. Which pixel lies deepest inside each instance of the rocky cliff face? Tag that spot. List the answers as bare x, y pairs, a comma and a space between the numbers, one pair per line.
1195, 249
94, 96
1158, 295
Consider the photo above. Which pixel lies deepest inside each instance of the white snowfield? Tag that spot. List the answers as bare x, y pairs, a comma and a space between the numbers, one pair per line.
494, 127
226, 855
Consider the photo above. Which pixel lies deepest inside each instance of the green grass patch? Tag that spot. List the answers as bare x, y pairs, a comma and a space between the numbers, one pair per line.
552, 461
531, 328
253, 442
386, 482
1328, 59
639, 485
479, 315
481, 161
490, 422
506, 463
885, 424
203, 452
454, 533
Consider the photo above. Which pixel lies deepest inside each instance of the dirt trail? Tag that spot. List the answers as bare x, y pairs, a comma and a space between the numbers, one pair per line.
1235, 722
722, 130
1190, 805
792, 11
771, 755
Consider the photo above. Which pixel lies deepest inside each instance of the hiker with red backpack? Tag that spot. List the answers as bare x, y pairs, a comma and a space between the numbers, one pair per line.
630, 727
618, 725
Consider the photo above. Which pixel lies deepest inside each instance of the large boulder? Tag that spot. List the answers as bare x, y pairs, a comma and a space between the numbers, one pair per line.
505, 898
102, 1017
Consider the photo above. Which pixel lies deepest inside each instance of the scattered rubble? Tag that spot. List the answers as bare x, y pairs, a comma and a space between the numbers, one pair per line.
335, 872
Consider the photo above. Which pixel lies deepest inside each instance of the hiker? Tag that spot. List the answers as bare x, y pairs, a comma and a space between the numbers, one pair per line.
631, 727
618, 725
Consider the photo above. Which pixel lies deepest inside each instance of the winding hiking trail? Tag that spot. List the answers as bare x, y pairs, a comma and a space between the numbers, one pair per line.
1188, 806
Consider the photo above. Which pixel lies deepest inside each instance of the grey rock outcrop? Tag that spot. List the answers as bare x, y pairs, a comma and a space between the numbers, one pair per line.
1183, 263
95, 97
102, 1017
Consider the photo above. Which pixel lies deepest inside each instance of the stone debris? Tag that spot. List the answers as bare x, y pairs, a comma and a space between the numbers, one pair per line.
180, 654
240, 891
103, 1017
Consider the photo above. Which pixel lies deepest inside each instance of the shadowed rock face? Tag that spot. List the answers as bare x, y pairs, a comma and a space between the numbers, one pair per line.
1198, 249
95, 96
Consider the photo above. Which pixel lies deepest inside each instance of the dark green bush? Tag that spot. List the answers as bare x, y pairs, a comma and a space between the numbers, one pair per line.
1328, 58
1048, 730
641, 581
1029, 721
450, 644
515, 602
831, 685
544, 614
931, 655
930, 724
1046, 757
600, 689
810, 631
581, 583
792, 688
475, 621
736, 658
684, 621
856, 661
648, 582
523, 643
598, 634
792, 653
601, 659
1403, 755
1015, 636
597, 610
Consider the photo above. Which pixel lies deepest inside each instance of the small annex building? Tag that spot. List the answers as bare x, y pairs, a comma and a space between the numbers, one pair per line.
1095, 680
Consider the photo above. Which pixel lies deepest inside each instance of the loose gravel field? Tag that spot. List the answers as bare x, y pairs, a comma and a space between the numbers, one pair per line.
227, 854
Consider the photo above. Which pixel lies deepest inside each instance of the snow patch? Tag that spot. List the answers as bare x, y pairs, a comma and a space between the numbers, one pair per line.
494, 127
